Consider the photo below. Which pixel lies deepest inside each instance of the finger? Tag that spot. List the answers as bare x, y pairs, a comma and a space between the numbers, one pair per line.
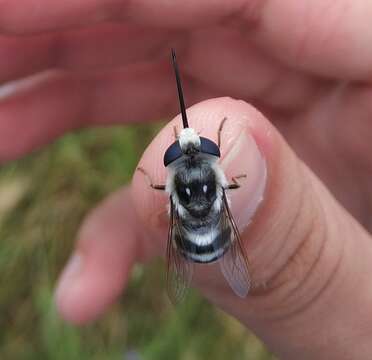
333, 40
326, 38
226, 64
55, 102
301, 243
232, 65
101, 46
22, 19
111, 239
99, 269
58, 101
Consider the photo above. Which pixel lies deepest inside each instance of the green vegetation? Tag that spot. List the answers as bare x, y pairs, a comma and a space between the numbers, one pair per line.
43, 198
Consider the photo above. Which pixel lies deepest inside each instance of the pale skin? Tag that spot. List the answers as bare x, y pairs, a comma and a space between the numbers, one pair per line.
306, 65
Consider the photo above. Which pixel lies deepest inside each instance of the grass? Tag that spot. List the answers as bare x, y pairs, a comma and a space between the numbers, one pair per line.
43, 199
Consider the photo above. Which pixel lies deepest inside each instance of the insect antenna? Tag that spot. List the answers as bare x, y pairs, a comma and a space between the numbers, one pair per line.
180, 92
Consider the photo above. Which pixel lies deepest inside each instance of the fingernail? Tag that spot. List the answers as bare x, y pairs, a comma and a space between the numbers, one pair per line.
12, 87
245, 158
69, 275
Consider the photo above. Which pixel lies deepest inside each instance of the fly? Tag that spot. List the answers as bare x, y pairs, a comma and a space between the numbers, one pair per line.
201, 228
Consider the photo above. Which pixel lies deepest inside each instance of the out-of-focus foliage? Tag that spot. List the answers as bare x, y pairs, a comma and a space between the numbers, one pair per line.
43, 199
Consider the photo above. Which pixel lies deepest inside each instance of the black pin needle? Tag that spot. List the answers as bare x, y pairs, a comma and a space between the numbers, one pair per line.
180, 92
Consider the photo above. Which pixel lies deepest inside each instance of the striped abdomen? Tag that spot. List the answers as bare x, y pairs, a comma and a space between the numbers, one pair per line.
203, 245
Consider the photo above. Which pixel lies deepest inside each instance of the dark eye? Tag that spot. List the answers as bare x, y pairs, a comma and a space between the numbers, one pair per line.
205, 188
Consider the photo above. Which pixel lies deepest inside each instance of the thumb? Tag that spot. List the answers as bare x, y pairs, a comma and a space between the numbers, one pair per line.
305, 267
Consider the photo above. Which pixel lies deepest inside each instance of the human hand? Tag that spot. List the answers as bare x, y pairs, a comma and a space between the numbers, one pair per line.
304, 65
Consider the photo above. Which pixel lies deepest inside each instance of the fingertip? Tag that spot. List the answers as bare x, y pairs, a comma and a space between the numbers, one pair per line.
206, 118
62, 293
84, 296
98, 271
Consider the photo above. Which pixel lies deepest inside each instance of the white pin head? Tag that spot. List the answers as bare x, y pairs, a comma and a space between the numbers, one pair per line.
189, 139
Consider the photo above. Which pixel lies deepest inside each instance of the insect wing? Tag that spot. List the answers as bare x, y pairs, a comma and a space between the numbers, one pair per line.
234, 263
179, 270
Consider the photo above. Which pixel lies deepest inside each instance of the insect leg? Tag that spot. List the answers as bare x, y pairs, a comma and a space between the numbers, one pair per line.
148, 178
235, 184
220, 131
175, 132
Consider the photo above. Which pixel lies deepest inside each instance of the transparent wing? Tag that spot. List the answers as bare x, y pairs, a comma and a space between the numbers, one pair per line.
234, 263
179, 270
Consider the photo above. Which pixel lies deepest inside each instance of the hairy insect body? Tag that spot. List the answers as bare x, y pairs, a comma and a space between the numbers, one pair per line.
192, 247
195, 185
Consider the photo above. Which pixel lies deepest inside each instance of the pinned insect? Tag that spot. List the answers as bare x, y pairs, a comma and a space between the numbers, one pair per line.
202, 228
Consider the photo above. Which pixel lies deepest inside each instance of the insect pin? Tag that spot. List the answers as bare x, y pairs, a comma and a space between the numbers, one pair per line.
201, 228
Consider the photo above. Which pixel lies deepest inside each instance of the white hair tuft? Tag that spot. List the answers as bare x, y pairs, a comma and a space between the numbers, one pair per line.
188, 136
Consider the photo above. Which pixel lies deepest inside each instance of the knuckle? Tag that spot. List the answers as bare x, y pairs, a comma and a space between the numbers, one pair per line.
320, 27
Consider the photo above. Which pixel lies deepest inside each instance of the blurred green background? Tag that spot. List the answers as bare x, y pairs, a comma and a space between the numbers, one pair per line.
43, 199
